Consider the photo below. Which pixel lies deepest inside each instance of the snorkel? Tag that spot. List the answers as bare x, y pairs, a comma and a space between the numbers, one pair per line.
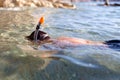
35, 35
41, 21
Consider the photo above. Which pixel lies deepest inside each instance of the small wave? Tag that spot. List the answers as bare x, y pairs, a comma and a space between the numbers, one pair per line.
75, 61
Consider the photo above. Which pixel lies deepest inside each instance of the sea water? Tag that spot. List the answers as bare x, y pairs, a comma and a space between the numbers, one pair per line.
97, 23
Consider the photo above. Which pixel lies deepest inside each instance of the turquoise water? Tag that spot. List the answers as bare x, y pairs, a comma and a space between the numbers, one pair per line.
88, 21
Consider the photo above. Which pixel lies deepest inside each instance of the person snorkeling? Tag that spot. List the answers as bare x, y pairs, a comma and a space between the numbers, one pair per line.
40, 36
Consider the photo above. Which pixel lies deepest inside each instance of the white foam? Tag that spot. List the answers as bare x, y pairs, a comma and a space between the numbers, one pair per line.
13, 9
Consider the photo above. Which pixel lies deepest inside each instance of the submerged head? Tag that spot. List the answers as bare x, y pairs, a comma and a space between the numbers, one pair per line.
38, 35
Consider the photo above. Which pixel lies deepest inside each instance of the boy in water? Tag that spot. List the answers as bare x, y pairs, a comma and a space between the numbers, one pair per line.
42, 37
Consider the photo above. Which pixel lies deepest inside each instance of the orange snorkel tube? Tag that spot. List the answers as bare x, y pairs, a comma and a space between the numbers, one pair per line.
41, 21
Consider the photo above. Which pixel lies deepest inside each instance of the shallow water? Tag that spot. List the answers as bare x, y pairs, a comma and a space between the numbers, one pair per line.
20, 60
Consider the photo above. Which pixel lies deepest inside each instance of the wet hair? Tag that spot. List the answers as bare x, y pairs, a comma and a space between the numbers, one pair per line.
38, 35
113, 44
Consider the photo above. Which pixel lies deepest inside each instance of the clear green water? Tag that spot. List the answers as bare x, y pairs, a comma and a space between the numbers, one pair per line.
97, 23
